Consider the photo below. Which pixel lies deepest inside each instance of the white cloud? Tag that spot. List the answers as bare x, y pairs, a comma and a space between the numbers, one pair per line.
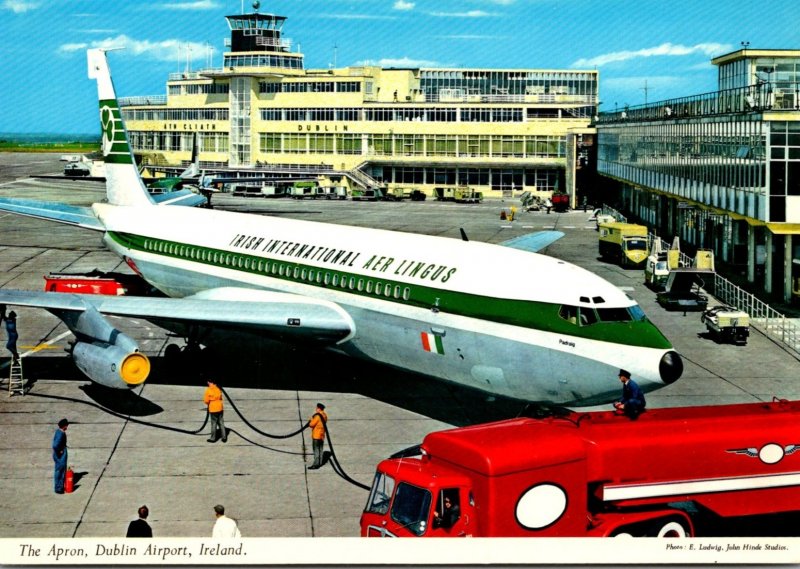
197, 5
469, 14
401, 62
166, 50
356, 17
70, 47
19, 6
403, 5
665, 49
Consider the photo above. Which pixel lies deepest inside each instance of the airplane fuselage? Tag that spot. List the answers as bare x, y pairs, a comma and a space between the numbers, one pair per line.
481, 315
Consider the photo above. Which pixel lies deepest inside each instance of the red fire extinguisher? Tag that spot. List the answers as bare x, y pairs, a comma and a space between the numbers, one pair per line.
69, 481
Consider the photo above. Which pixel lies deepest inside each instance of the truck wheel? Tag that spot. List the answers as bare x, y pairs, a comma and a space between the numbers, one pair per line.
669, 527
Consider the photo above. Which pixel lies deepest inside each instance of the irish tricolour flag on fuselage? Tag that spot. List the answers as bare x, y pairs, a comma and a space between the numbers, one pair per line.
432, 343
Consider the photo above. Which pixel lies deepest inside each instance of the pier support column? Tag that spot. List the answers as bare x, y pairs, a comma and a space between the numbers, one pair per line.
751, 253
769, 260
787, 267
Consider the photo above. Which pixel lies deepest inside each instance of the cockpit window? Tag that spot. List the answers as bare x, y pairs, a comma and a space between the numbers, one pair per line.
636, 312
411, 508
614, 315
569, 313
582, 316
587, 316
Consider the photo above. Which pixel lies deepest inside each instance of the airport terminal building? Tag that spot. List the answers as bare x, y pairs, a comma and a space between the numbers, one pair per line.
495, 130
720, 170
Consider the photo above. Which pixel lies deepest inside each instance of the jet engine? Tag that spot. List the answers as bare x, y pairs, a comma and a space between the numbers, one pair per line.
110, 365
103, 353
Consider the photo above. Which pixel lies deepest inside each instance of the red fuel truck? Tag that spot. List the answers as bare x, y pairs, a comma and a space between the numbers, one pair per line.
592, 474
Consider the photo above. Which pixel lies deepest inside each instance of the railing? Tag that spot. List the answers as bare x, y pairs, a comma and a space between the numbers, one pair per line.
772, 323
185, 75
608, 210
683, 259
760, 97
144, 100
768, 320
456, 96
284, 43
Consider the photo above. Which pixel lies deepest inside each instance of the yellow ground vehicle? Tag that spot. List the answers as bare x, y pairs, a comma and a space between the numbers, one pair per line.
727, 324
623, 243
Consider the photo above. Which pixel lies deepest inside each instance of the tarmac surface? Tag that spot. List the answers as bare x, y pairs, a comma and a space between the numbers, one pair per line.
147, 447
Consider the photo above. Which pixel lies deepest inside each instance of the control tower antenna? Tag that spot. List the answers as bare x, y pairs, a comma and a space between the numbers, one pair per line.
188, 58
646, 90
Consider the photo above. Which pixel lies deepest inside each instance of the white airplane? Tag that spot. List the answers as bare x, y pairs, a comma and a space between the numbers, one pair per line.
499, 318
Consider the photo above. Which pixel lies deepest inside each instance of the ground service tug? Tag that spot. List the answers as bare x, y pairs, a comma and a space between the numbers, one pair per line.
592, 474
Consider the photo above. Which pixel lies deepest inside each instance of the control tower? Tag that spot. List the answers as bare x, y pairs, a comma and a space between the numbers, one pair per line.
256, 42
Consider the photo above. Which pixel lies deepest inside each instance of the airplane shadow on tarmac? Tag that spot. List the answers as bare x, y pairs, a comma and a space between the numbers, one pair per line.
288, 367
121, 401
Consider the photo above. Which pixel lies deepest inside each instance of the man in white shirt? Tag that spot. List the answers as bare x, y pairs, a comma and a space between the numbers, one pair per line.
225, 527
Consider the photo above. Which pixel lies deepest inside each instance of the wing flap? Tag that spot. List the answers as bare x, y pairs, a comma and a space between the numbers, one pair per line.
274, 315
183, 197
533, 242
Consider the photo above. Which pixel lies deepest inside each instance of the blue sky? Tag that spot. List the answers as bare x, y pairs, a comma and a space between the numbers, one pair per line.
668, 45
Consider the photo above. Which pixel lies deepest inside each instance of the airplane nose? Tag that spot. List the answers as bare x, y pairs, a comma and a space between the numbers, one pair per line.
670, 367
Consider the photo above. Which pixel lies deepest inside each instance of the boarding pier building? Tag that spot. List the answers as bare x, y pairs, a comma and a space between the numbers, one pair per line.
499, 131
720, 170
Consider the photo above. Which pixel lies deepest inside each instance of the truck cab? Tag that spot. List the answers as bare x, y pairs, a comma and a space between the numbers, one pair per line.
407, 502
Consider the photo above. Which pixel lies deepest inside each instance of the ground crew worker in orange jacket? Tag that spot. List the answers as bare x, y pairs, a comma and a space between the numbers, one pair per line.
213, 399
317, 424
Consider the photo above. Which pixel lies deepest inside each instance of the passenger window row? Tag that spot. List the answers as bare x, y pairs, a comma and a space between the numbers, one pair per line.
285, 270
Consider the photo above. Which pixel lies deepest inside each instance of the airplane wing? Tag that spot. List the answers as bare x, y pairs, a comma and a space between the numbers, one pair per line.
533, 242
53, 211
274, 315
82, 216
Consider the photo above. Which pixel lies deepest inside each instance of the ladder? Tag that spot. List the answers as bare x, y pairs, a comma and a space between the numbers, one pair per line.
16, 381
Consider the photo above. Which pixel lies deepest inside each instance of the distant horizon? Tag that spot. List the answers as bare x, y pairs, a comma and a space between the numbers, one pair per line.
49, 137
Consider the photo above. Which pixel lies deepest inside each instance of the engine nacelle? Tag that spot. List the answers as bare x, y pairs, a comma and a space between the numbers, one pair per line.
103, 353
111, 366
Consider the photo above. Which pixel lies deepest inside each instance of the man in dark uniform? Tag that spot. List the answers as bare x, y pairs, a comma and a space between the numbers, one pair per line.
11, 330
140, 527
632, 403
60, 456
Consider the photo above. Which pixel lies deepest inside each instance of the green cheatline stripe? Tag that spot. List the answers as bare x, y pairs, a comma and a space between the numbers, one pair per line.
527, 314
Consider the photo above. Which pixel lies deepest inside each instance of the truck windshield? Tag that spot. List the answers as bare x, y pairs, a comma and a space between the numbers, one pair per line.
636, 244
411, 508
380, 495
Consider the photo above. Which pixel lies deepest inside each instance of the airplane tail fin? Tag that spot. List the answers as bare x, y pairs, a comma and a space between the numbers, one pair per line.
193, 170
124, 186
